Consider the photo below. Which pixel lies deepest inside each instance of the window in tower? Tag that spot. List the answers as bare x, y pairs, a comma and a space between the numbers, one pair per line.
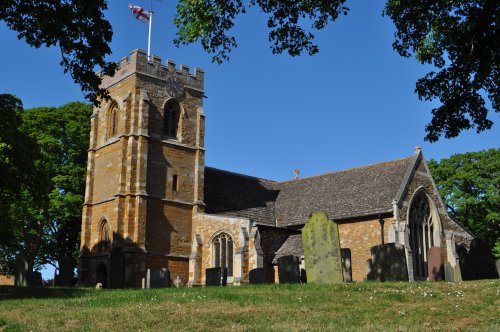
171, 118
174, 183
112, 124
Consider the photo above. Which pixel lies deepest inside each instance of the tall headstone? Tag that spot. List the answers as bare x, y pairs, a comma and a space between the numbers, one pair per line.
148, 278
346, 264
216, 276
478, 263
452, 273
435, 265
160, 278
322, 250
388, 263
117, 268
65, 276
21, 271
498, 267
288, 269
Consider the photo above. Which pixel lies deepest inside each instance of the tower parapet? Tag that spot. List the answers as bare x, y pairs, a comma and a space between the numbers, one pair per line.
138, 63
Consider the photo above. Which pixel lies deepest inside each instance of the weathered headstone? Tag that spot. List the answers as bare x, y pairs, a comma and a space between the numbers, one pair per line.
478, 263
435, 266
388, 263
346, 264
160, 278
215, 276
21, 271
452, 273
35, 279
148, 278
117, 268
178, 282
288, 269
322, 250
257, 276
498, 267
65, 276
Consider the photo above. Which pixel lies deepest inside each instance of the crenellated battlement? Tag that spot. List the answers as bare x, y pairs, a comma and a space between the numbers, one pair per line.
138, 63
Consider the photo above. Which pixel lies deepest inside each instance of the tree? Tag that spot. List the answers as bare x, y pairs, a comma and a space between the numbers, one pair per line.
460, 38
78, 28
470, 185
62, 136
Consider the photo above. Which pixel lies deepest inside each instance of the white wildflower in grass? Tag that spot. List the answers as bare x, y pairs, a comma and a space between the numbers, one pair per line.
402, 312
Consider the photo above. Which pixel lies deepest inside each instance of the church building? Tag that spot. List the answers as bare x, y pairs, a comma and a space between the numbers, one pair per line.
152, 204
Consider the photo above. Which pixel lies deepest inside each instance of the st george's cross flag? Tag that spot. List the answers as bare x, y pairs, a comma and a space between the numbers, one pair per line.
140, 13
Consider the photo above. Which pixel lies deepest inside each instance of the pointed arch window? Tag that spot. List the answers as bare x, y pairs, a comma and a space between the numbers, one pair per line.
112, 124
104, 241
222, 252
172, 113
422, 226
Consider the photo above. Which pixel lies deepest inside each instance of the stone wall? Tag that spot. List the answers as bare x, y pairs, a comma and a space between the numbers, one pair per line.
360, 237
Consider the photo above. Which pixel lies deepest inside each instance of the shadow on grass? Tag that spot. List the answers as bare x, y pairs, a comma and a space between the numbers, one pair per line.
13, 292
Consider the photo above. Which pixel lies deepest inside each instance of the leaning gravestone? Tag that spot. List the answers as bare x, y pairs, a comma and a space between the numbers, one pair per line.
21, 271
160, 278
288, 269
435, 266
388, 263
257, 276
346, 264
117, 268
322, 250
215, 276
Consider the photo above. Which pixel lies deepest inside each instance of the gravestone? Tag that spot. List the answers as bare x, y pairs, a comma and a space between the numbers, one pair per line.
288, 269
160, 278
322, 250
498, 267
435, 265
65, 276
117, 268
346, 264
148, 278
257, 276
35, 279
216, 276
478, 262
452, 274
388, 263
21, 271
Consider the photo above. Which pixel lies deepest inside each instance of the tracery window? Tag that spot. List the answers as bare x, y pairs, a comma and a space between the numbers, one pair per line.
112, 124
421, 234
223, 252
171, 118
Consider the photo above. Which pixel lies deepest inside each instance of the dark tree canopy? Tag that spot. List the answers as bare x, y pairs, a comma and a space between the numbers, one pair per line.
460, 38
210, 21
470, 185
78, 28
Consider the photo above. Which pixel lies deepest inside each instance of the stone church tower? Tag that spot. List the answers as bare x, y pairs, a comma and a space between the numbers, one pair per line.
145, 173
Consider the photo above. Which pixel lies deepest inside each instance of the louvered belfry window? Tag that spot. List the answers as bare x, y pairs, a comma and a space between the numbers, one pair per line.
171, 118
223, 252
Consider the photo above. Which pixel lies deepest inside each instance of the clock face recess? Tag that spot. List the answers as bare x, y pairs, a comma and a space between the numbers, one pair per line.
174, 86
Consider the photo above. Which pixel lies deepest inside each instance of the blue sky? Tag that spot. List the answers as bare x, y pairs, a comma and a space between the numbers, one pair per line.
350, 105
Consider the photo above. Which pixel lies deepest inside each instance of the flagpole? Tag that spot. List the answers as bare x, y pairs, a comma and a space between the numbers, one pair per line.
149, 36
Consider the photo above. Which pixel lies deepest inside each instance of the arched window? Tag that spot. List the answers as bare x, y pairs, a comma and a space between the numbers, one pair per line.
112, 121
421, 233
222, 252
171, 118
104, 242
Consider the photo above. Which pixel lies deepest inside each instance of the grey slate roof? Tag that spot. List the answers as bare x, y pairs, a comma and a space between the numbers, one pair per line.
352, 193
238, 195
293, 246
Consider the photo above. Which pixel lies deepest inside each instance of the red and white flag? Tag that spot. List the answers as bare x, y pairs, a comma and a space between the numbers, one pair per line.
140, 13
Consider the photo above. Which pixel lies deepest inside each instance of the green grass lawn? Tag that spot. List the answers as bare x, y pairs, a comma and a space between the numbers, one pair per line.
387, 306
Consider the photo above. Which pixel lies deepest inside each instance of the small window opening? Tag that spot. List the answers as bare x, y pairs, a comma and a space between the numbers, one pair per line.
174, 183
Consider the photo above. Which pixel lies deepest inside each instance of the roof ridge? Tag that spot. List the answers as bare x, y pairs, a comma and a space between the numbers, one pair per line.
344, 170
240, 174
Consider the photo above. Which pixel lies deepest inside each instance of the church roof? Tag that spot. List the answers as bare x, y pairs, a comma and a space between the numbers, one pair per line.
352, 193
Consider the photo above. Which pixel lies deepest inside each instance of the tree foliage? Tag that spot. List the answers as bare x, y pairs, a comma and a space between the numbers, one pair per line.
77, 27
46, 154
460, 38
210, 22
470, 185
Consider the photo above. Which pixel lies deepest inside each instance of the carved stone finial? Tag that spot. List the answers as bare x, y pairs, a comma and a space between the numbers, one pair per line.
418, 149
296, 172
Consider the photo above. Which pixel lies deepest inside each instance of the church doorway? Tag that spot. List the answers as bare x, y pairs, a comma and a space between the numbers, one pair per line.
101, 275
424, 233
